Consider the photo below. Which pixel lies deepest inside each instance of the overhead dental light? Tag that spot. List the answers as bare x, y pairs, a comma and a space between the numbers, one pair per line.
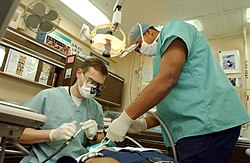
107, 43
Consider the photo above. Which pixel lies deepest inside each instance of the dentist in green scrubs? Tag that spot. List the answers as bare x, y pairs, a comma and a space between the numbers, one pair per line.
68, 109
192, 94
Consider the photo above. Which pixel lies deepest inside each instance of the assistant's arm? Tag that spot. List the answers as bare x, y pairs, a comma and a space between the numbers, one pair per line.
171, 65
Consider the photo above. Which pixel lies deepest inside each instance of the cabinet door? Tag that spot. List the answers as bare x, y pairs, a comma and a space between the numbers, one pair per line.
239, 155
112, 93
45, 73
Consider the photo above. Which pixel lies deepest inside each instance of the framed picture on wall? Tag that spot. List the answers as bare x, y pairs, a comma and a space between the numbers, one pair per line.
2, 55
235, 81
75, 49
58, 41
22, 65
15, 20
230, 61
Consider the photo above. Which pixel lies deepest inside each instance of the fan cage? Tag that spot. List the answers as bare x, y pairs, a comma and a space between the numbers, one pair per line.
29, 11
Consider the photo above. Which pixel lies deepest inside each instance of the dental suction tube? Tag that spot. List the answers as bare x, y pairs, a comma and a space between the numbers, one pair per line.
167, 132
62, 146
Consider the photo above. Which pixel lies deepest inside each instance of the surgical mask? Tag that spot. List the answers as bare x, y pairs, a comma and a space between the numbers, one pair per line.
148, 49
85, 91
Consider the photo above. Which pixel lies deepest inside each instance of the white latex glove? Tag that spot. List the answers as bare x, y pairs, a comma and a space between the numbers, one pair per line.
90, 128
119, 127
137, 126
65, 131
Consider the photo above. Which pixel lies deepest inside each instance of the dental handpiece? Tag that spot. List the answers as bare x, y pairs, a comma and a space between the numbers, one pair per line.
73, 137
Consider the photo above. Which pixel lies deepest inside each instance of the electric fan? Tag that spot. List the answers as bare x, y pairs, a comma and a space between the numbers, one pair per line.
40, 17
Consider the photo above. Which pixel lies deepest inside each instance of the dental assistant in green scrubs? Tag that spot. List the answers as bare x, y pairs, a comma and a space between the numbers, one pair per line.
192, 94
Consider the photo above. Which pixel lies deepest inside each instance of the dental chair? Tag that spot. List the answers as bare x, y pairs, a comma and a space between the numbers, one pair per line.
13, 120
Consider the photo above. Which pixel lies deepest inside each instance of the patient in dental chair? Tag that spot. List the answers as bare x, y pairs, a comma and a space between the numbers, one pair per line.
122, 155
67, 159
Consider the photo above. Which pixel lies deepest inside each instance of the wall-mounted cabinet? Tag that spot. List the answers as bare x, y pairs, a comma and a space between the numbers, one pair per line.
27, 59
111, 95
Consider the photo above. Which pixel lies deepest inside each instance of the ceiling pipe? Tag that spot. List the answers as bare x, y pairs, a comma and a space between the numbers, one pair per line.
247, 68
131, 78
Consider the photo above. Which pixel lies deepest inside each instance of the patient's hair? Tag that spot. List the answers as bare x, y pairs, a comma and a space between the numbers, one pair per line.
102, 160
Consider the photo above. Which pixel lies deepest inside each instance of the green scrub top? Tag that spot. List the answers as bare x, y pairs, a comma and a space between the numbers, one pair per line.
59, 107
203, 100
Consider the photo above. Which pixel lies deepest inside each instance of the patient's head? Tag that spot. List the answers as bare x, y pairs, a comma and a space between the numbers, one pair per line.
102, 160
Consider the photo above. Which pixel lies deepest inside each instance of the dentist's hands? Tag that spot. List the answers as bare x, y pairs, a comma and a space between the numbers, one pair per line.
65, 131
119, 127
90, 128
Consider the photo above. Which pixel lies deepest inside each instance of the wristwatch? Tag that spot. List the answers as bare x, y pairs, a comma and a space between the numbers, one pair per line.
90, 155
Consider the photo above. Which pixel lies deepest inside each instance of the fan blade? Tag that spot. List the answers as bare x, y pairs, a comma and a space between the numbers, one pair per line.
39, 9
33, 21
51, 15
45, 26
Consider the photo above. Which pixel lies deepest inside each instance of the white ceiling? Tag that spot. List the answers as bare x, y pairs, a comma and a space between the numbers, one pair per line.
218, 17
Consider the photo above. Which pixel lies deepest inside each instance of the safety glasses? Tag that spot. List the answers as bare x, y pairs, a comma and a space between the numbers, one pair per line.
92, 83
